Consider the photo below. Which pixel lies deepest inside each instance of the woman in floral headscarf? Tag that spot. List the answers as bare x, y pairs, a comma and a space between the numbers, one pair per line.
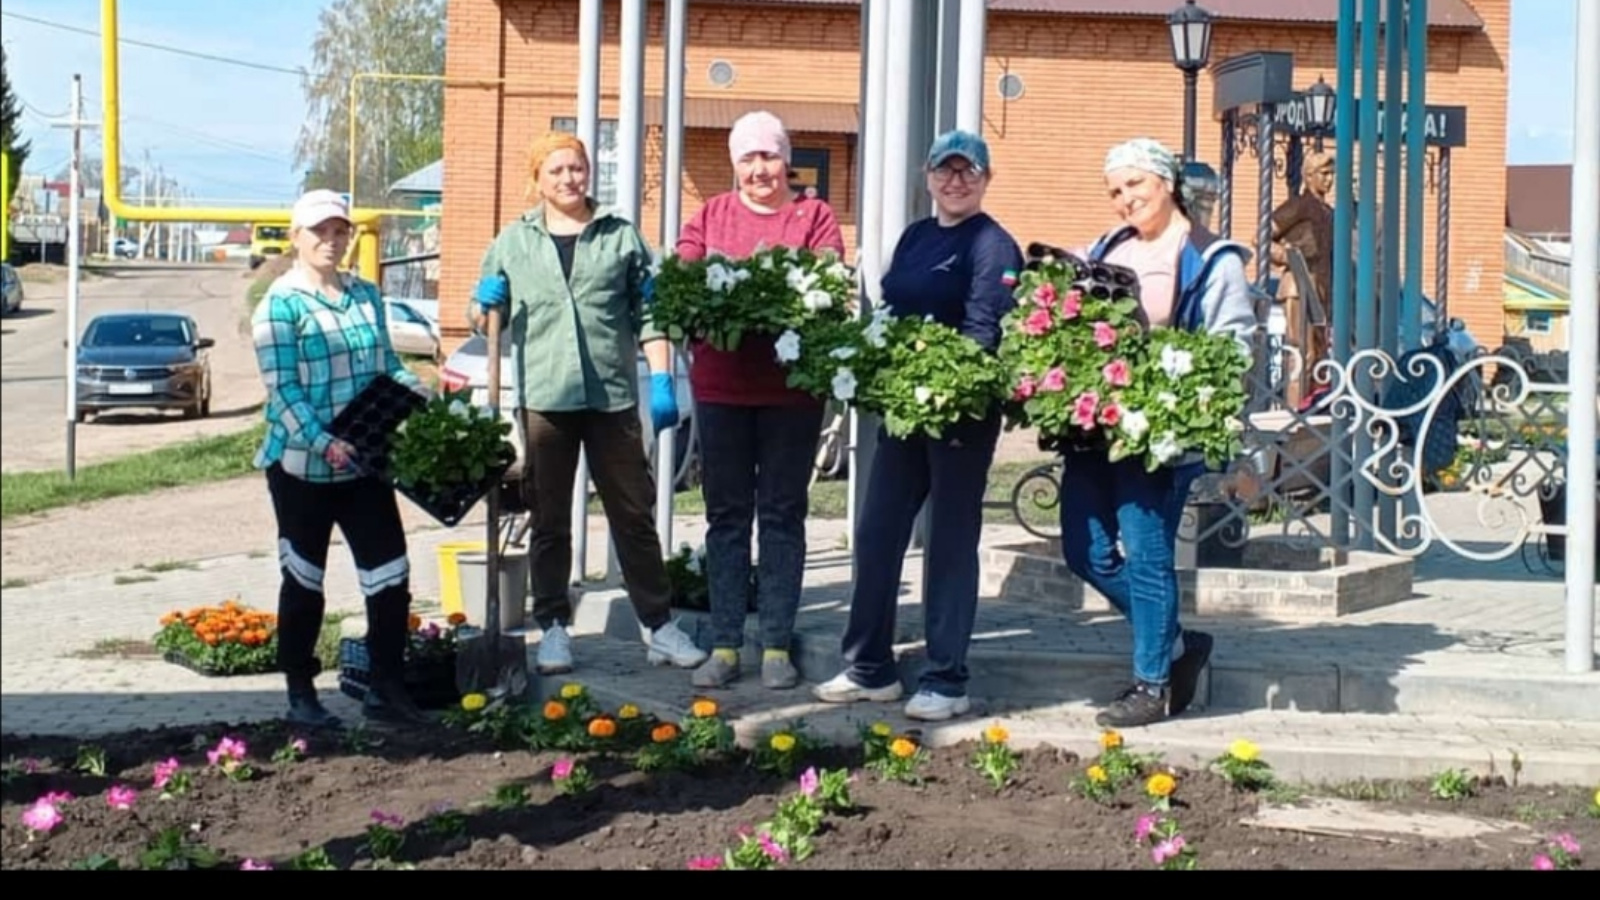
1188, 278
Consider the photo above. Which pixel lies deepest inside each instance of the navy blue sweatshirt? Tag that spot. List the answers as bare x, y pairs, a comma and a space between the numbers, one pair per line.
963, 276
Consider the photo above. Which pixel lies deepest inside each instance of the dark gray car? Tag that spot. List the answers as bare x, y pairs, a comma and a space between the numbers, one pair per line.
150, 360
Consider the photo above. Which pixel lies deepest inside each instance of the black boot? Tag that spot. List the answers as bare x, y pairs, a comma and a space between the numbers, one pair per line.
387, 699
1141, 704
304, 707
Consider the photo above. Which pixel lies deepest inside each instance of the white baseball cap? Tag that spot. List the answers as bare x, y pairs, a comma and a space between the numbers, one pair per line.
315, 207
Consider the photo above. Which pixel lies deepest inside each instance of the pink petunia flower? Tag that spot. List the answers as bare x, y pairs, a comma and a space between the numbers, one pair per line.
1105, 337
1083, 412
121, 797
1072, 305
388, 820
252, 865
1045, 295
1568, 844
1145, 827
1117, 373
1544, 863
1055, 381
771, 849
809, 781
42, 817
1026, 388
57, 798
1111, 415
705, 863
1038, 322
562, 770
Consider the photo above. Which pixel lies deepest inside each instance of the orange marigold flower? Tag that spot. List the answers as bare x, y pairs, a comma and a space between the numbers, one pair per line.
904, 748
664, 732
602, 727
555, 711
414, 622
703, 708
457, 618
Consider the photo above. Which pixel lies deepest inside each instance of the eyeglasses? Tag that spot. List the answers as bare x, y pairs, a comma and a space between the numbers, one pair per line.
966, 175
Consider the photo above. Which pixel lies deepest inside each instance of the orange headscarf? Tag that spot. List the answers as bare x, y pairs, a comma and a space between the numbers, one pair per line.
544, 147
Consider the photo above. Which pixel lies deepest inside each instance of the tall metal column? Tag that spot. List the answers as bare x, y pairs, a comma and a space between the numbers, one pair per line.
630, 144
1343, 220
1441, 248
972, 80
1393, 145
876, 26
1584, 352
1411, 335
1365, 500
590, 24
947, 94
676, 37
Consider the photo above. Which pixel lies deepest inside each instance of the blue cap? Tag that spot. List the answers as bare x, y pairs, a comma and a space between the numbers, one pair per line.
964, 144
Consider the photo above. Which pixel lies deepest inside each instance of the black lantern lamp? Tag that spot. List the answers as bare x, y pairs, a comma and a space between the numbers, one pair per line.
1321, 103
1191, 51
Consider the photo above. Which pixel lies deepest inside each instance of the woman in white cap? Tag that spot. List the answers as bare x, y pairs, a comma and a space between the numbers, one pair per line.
958, 266
321, 336
758, 437
1188, 278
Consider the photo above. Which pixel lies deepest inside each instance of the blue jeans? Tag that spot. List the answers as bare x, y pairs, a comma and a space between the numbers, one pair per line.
756, 466
952, 475
1103, 502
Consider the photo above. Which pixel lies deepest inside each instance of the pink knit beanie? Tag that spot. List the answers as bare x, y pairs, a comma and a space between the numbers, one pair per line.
758, 132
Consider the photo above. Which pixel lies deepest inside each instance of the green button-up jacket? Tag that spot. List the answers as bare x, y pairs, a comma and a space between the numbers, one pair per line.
575, 344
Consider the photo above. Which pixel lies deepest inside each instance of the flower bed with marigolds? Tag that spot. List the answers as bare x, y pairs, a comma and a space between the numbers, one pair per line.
230, 639
570, 784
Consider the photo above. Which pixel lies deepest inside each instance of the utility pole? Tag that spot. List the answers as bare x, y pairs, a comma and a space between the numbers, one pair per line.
74, 274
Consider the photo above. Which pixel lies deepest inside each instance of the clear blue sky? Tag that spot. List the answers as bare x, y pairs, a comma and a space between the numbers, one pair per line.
227, 132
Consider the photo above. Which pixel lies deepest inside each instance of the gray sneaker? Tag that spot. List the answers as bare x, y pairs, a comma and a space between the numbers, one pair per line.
779, 674
715, 672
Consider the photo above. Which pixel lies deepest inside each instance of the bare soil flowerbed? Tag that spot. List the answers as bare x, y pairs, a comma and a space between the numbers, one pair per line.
433, 791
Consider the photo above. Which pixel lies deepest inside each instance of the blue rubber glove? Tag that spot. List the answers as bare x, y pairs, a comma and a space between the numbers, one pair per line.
492, 291
649, 290
663, 402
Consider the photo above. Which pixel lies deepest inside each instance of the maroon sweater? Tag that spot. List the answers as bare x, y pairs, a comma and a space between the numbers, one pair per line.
725, 226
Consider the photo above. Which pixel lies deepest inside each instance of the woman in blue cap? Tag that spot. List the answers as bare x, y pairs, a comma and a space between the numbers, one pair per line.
1188, 278
958, 266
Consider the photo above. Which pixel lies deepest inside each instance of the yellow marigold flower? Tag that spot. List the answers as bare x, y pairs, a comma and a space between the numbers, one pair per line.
882, 729
1244, 751
782, 742
1097, 774
903, 748
996, 734
555, 710
571, 691
1110, 740
628, 711
1161, 785
474, 702
703, 708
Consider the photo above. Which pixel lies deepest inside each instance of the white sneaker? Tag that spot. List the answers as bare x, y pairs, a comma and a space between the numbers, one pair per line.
931, 707
555, 651
670, 644
840, 689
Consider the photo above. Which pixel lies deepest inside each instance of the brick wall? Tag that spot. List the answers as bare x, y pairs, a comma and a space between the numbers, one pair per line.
1089, 83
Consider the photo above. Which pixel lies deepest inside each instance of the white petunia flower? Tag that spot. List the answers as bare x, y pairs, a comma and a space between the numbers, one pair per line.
788, 346
844, 385
800, 281
460, 410
1166, 448
843, 353
1176, 363
923, 393
817, 300
1206, 392
1168, 399
1135, 424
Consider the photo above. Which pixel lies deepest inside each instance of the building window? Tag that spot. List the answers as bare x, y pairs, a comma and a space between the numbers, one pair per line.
808, 173
1537, 322
603, 183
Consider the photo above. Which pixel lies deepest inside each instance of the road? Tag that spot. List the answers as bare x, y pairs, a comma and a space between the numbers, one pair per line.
33, 363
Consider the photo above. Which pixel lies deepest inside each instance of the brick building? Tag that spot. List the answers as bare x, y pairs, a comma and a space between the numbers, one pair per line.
1086, 75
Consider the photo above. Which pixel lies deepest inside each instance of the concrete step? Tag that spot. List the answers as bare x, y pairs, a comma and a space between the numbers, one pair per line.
1032, 653
1303, 747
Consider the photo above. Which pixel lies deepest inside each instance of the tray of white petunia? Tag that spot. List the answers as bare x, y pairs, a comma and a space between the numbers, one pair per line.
918, 375
721, 300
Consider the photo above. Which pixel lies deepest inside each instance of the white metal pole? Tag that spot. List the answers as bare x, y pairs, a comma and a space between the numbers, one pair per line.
969, 92
676, 38
590, 21
74, 275
1584, 350
630, 140
863, 429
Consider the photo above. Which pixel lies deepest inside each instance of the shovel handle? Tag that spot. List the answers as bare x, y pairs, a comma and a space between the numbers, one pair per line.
491, 625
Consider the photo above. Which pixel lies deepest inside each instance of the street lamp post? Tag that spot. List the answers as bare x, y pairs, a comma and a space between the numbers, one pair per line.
1321, 102
1191, 51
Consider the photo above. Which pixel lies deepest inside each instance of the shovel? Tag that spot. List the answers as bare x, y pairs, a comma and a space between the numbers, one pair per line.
492, 663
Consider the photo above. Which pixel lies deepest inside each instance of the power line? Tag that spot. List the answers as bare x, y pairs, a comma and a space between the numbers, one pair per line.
163, 47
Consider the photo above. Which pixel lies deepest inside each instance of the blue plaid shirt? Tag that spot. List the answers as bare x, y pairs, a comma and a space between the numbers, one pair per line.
316, 354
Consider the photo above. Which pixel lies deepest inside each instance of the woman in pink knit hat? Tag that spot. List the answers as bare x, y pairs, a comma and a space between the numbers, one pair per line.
758, 437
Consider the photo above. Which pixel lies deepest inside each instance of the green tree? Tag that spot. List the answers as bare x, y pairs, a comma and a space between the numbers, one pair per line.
399, 122
10, 132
